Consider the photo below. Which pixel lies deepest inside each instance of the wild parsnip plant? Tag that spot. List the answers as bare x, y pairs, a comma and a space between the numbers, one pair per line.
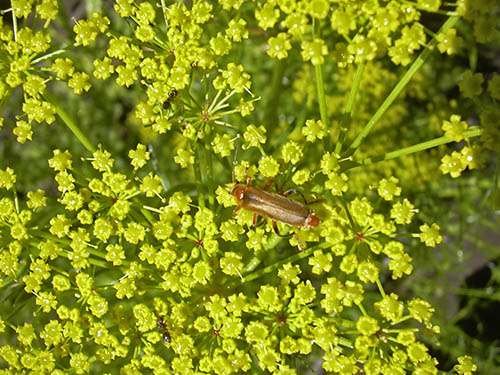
125, 126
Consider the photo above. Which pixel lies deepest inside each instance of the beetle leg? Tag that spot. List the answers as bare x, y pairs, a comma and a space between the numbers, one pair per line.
249, 179
236, 210
276, 230
268, 184
254, 220
301, 247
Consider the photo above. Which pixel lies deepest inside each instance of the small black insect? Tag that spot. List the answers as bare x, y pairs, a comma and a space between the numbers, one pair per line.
170, 99
166, 335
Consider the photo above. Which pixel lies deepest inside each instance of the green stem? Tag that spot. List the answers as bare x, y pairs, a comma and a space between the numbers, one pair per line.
197, 175
490, 249
345, 342
380, 288
69, 122
64, 18
160, 43
210, 170
14, 25
497, 173
472, 132
348, 213
318, 70
273, 104
163, 7
16, 199
483, 294
154, 162
414, 68
153, 209
151, 220
224, 114
322, 104
48, 55
187, 187
401, 320
215, 107
346, 117
362, 309
132, 195
66, 253
252, 264
214, 102
294, 258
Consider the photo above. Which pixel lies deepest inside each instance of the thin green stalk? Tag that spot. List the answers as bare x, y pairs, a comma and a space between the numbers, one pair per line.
224, 114
210, 170
15, 308
345, 342
318, 70
148, 216
92, 261
380, 288
348, 213
154, 161
163, 7
220, 105
160, 43
252, 264
362, 309
273, 104
292, 259
483, 294
197, 175
16, 199
497, 173
472, 132
64, 18
346, 117
446, 12
214, 101
492, 250
69, 122
216, 106
48, 55
14, 25
93, 6
187, 187
463, 312
414, 68
322, 104
66, 253
153, 209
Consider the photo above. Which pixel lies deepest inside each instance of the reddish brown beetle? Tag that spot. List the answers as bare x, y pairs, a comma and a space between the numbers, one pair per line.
274, 206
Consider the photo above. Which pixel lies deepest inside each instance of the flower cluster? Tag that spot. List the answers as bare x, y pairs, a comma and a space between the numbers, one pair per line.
182, 252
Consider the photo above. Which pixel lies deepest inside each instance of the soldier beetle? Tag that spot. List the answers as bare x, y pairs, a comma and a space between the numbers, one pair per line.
274, 206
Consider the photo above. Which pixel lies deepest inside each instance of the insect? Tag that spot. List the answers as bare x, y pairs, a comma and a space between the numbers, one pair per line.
274, 206
171, 96
163, 326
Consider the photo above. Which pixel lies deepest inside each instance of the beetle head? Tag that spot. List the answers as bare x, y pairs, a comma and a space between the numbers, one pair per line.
239, 191
312, 220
